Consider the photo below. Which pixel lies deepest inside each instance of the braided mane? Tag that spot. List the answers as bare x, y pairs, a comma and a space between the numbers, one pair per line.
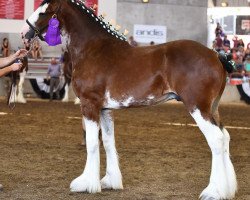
107, 26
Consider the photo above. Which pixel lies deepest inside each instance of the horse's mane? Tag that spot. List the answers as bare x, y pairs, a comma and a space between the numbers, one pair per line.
106, 26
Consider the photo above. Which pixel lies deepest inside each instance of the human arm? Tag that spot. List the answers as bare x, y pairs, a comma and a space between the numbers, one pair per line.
8, 60
13, 67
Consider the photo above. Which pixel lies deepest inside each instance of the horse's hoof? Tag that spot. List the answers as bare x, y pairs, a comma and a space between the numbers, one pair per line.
84, 184
114, 183
1, 187
212, 193
204, 197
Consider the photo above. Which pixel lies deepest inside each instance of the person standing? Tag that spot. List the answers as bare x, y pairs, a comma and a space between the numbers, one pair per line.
219, 42
54, 74
37, 50
218, 30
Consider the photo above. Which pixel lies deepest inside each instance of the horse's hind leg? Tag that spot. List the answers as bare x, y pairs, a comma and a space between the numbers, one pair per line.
232, 182
222, 183
113, 177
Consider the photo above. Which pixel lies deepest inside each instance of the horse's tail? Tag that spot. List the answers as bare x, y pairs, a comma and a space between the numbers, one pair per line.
226, 60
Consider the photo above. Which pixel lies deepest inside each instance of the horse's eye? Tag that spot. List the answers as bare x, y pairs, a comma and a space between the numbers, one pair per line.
41, 14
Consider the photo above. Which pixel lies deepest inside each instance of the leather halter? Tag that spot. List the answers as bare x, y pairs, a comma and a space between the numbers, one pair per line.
38, 32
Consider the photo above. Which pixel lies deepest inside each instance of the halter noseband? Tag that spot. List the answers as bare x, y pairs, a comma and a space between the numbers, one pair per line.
38, 32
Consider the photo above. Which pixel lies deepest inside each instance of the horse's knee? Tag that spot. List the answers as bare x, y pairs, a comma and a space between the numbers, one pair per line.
92, 133
92, 147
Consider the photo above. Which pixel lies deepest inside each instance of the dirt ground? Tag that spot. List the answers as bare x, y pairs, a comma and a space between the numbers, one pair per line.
40, 152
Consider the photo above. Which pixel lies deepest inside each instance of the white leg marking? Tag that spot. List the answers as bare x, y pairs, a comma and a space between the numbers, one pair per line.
231, 176
113, 177
66, 95
89, 181
219, 185
20, 96
77, 100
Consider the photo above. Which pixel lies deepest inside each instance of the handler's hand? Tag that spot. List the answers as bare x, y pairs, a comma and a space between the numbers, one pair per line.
16, 66
21, 53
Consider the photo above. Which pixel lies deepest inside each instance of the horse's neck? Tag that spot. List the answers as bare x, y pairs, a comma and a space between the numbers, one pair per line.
81, 30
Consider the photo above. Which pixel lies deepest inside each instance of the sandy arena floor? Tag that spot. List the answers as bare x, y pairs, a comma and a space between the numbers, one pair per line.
40, 152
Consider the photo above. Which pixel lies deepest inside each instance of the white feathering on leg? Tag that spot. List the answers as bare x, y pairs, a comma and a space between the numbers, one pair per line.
89, 181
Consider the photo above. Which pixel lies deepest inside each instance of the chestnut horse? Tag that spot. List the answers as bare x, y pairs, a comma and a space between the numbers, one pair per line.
110, 74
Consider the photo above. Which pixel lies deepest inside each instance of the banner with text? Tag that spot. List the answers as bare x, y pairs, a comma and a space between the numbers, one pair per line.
150, 33
11, 9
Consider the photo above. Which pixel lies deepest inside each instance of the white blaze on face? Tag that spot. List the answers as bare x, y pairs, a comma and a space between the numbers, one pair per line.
33, 18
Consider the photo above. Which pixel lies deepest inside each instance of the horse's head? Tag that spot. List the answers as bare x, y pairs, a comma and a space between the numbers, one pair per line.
37, 23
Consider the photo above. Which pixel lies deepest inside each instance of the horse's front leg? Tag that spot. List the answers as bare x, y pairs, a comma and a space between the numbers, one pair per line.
89, 181
20, 97
113, 177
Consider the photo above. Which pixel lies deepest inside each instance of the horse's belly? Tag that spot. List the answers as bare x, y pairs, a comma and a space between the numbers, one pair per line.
132, 101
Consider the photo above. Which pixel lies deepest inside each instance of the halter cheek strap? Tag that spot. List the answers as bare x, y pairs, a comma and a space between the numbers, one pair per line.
37, 31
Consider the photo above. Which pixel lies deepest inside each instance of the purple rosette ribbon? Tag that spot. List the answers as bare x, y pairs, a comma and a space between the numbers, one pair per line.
53, 36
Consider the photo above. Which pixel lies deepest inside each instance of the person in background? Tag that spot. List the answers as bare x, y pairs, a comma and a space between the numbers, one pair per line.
226, 45
214, 46
219, 41
226, 42
218, 30
37, 50
240, 43
5, 48
247, 66
247, 52
54, 74
235, 41
240, 53
132, 42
